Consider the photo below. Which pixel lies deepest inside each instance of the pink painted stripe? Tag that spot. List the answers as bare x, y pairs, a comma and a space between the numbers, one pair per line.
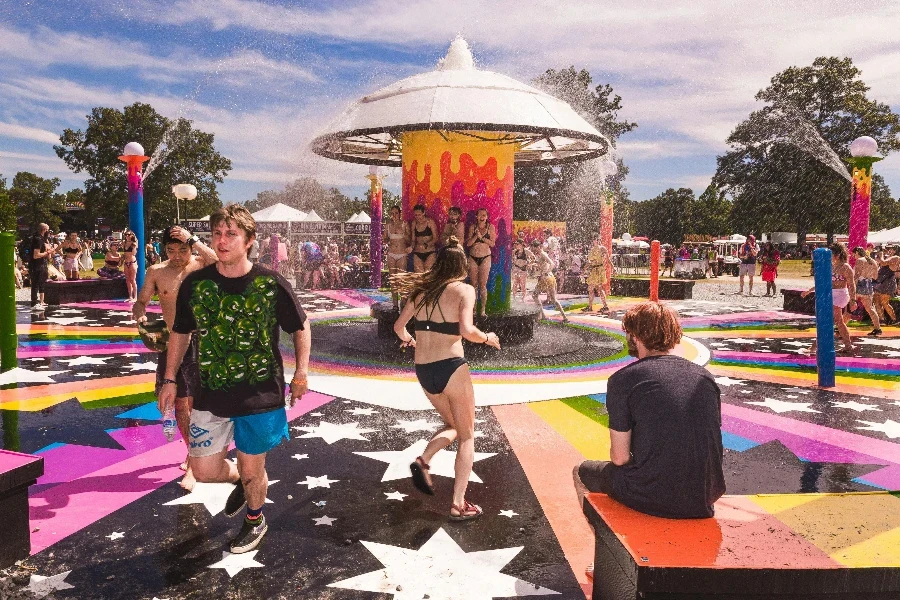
122, 305
348, 297
692, 321
880, 449
91, 350
862, 363
69, 507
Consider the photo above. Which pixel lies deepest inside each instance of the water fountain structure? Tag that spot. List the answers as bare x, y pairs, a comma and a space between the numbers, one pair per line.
458, 133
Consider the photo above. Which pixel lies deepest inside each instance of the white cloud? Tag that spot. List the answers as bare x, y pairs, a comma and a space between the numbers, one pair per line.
11, 130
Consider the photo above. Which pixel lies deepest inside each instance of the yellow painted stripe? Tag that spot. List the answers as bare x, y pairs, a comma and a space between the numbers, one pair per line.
803, 376
42, 402
857, 530
586, 435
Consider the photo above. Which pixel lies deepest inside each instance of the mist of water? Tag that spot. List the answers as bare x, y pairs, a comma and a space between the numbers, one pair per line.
789, 126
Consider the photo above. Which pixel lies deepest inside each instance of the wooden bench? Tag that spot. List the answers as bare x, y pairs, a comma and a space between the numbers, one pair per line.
84, 290
669, 289
17, 472
767, 546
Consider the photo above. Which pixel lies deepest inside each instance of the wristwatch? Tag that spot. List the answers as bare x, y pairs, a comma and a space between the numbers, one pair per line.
165, 381
192, 240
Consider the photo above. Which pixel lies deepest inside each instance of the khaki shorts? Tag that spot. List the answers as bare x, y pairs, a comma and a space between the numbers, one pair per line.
746, 269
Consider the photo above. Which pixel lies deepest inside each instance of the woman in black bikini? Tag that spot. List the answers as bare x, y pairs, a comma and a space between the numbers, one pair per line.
129, 260
433, 298
424, 234
396, 234
480, 243
110, 268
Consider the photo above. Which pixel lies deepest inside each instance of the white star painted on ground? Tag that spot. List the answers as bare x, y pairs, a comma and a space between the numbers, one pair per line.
115, 535
508, 513
85, 360
130, 354
85, 374
120, 313
235, 563
441, 569
746, 391
321, 503
797, 343
782, 406
300, 456
399, 460
417, 425
324, 520
142, 366
886, 342
41, 586
741, 341
366, 412
854, 405
20, 375
333, 432
316, 482
36, 359
211, 495
890, 353
889, 428
728, 381
65, 320
896, 402
395, 496
316, 414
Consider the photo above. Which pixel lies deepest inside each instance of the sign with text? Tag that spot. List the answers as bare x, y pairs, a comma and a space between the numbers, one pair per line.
196, 226
317, 227
357, 228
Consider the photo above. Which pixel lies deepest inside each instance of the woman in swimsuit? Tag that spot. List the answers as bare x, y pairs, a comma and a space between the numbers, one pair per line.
424, 234
434, 298
866, 271
396, 234
110, 268
886, 284
71, 250
843, 292
596, 278
546, 281
129, 259
480, 243
521, 258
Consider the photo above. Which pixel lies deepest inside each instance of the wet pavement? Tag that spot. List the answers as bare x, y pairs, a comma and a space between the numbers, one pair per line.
110, 520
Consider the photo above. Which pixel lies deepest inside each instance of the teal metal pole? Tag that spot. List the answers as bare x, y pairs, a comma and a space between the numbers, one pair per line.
8, 339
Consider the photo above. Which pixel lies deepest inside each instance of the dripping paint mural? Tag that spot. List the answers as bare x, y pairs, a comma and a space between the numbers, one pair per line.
444, 169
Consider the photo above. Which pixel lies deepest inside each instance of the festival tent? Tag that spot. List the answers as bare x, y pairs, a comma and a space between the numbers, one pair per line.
886, 236
313, 216
362, 217
279, 213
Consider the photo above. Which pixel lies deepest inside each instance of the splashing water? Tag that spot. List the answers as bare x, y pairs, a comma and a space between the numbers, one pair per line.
171, 139
794, 128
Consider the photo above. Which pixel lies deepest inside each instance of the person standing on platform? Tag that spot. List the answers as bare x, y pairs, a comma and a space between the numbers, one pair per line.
396, 234
41, 251
480, 243
424, 234
238, 310
596, 278
546, 282
163, 280
454, 227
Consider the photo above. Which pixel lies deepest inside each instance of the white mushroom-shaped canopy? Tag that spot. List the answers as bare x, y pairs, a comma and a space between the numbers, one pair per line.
458, 97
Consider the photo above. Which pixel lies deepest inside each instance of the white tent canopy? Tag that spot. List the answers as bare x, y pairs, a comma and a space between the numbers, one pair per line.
362, 217
312, 216
886, 236
280, 213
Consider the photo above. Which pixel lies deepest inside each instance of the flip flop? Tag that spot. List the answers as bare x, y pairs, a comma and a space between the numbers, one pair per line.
467, 511
420, 482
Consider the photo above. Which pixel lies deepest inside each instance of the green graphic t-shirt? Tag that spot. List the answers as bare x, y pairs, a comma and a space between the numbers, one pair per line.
237, 320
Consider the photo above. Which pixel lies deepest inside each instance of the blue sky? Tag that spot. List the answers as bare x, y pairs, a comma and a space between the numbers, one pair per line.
266, 77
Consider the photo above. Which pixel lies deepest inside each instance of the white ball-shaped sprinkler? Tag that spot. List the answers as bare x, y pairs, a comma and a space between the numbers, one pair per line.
863, 146
133, 149
184, 191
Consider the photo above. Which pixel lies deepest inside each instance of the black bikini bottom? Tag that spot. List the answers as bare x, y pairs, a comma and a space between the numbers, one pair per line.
423, 256
433, 376
480, 259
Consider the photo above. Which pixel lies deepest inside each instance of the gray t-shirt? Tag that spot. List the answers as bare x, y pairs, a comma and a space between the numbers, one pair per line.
672, 408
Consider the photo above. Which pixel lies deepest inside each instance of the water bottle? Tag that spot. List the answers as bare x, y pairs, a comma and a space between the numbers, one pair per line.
169, 424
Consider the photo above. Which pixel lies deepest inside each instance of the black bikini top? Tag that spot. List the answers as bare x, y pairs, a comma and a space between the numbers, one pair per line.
425, 232
72, 250
445, 327
485, 236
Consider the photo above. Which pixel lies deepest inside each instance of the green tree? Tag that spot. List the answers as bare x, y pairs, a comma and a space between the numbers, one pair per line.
36, 200
885, 211
192, 158
541, 192
73, 219
7, 208
711, 213
666, 217
781, 169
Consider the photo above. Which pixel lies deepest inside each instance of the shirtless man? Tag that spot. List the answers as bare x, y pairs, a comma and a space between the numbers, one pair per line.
163, 280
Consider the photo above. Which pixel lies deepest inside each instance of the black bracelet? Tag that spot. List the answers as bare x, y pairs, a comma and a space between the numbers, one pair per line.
165, 381
192, 240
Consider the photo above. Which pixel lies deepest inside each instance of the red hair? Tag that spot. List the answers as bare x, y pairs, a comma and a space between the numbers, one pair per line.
654, 324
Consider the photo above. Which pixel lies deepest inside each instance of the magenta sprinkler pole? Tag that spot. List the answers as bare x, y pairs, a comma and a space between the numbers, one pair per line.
134, 158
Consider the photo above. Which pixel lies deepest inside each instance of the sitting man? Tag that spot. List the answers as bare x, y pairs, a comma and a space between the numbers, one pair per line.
664, 426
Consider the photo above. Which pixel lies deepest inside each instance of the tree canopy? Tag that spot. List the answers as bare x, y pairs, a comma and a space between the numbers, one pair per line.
7, 208
192, 158
306, 193
565, 192
783, 170
36, 200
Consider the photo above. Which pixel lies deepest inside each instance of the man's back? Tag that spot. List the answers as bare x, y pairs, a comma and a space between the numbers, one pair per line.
672, 408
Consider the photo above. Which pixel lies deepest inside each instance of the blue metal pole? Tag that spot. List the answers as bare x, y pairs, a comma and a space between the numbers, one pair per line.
825, 354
